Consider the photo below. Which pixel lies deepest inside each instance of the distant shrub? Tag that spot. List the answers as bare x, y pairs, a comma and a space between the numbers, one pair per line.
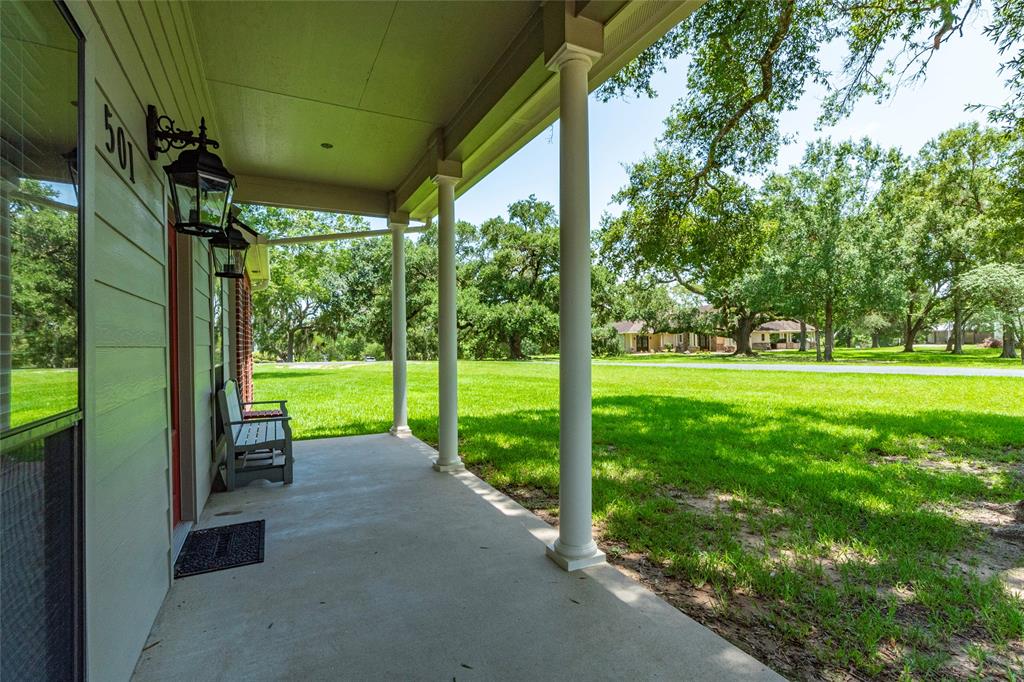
373, 349
991, 343
605, 342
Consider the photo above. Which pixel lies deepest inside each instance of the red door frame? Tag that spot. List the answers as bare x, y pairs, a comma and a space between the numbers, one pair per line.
172, 323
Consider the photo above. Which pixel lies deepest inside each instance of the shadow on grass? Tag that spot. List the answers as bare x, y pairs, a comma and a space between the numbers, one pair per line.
821, 469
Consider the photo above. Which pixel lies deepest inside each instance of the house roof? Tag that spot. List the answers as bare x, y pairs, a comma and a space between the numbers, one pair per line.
783, 326
630, 327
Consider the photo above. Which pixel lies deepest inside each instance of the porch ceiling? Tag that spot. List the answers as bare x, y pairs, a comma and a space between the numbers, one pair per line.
391, 86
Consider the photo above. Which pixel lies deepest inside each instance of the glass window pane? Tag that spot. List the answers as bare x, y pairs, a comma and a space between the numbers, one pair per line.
40, 467
39, 249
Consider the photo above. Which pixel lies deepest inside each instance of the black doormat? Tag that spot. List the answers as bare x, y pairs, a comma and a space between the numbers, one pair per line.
214, 549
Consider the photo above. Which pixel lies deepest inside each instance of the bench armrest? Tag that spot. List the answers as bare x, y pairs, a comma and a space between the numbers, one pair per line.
253, 420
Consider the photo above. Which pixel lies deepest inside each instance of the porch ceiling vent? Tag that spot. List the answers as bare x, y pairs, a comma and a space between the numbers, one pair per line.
201, 187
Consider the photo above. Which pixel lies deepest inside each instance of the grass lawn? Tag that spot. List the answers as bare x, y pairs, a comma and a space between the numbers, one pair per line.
38, 393
973, 356
835, 524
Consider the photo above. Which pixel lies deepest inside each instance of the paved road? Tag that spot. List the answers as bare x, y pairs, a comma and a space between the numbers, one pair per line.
920, 370
941, 371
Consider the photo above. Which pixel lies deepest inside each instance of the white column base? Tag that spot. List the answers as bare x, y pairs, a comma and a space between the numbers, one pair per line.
585, 559
457, 465
400, 431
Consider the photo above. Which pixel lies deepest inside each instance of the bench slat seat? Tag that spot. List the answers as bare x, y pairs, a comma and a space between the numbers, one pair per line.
258, 447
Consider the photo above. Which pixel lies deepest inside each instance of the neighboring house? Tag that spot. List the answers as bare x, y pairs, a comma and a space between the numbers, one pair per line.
637, 337
940, 334
780, 335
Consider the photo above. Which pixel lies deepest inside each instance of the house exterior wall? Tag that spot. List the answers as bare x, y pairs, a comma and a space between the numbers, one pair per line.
135, 54
204, 448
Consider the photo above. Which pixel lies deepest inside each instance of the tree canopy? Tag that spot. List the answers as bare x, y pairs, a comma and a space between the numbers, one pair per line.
750, 60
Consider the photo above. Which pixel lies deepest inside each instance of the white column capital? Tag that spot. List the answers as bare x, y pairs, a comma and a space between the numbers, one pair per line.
448, 172
569, 52
398, 221
569, 36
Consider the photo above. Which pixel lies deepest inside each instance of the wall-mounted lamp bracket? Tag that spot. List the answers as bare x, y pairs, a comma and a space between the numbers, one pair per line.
162, 136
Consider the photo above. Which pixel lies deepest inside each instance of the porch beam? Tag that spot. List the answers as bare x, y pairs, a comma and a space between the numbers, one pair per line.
311, 196
398, 223
519, 98
448, 339
575, 547
334, 236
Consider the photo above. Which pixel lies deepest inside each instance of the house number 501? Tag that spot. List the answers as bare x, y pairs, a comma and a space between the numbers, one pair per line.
117, 142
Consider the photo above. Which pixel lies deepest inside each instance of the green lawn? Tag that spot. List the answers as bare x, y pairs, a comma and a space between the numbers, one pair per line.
973, 356
38, 393
833, 537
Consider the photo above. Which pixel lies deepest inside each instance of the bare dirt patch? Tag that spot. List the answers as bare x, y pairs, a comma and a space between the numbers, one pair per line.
1002, 550
740, 621
1008, 462
747, 620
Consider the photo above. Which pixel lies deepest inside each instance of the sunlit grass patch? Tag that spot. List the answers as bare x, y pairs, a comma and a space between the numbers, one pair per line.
40, 393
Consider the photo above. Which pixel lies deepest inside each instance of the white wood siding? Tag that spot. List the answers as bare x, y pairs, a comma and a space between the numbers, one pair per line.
136, 54
203, 370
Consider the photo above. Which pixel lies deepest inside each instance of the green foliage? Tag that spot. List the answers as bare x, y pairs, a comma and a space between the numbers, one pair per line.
828, 258
605, 341
710, 244
750, 60
331, 300
44, 286
514, 269
301, 297
1000, 285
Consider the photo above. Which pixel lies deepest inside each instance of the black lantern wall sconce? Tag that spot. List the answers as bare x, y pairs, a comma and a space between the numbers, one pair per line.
201, 187
234, 243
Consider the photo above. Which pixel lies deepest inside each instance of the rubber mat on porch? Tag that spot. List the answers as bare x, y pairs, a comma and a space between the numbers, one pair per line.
215, 549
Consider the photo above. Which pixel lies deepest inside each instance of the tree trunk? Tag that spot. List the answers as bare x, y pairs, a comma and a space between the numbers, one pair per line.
817, 340
289, 355
743, 328
875, 341
515, 347
829, 337
803, 336
908, 333
958, 327
1009, 342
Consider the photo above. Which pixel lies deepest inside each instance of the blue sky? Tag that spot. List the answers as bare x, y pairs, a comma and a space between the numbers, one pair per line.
964, 71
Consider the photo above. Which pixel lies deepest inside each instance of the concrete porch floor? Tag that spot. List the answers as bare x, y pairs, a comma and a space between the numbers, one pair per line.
377, 567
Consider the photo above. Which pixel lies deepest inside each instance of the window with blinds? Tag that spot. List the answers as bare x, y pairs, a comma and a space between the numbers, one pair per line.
40, 341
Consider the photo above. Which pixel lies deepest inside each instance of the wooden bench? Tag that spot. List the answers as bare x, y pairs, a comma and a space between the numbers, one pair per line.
257, 447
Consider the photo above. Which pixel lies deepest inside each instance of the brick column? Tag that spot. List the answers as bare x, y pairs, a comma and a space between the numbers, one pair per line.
243, 338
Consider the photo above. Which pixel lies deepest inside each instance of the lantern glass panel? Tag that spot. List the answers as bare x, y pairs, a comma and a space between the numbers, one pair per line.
184, 198
201, 212
214, 199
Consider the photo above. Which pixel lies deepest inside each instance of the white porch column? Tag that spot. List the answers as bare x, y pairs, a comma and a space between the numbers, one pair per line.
398, 223
448, 349
575, 547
